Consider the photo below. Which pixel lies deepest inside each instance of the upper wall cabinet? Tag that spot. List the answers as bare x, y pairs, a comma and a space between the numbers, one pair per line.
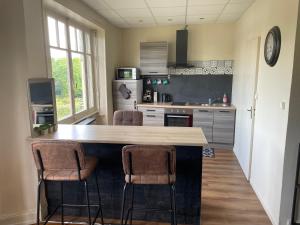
154, 58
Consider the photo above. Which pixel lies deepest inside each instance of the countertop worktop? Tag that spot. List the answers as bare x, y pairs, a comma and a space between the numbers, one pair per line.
180, 136
169, 105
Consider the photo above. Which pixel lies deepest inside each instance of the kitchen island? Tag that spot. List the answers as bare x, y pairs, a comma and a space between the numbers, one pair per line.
106, 142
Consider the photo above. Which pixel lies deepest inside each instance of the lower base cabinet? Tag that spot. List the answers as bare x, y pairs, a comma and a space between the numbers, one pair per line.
153, 116
217, 125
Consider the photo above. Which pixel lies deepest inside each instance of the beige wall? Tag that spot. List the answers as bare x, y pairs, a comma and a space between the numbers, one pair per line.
206, 42
23, 56
17, 176
274, 85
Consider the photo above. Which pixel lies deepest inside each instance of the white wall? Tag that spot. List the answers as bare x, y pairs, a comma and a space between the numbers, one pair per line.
274, 85
292, 140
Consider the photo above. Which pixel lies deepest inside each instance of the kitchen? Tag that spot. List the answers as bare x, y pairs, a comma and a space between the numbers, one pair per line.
220, 84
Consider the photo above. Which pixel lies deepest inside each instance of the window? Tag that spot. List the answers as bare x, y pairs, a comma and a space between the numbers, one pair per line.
70, 48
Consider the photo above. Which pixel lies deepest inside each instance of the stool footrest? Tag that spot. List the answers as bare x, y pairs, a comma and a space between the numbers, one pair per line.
81, 205
150, 209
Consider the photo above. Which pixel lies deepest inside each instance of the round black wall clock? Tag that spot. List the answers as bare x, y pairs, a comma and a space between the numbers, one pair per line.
272, 46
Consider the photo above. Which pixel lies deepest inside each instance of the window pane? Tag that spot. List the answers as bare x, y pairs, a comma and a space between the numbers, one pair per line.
79, 82
90, 81
73, 38
62, 34
60, 73
52, 31
87, 43
79, 40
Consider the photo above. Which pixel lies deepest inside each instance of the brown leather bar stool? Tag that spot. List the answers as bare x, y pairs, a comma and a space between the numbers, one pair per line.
129, 118
64, 161
149, 164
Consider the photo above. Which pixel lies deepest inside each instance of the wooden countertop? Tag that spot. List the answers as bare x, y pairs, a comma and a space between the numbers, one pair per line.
180, 136
169, 105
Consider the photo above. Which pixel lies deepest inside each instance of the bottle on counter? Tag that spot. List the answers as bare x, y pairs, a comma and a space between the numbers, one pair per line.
155, 96
225, 99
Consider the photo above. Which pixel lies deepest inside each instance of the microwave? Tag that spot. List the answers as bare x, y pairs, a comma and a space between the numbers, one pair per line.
127, 73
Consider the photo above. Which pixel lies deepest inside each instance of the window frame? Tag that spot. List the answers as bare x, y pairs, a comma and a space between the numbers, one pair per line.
74, 117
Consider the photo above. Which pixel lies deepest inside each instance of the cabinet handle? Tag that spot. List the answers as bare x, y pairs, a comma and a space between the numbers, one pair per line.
150, 110
134, 104
224, 111
150, 115
153, 72
203, 111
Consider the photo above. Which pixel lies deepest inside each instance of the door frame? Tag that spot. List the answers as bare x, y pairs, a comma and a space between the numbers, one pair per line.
254, 102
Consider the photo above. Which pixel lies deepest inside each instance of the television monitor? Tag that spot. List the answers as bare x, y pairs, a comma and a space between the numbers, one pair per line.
41, 92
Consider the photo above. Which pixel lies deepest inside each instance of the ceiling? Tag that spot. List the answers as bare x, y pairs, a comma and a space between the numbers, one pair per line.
146, 13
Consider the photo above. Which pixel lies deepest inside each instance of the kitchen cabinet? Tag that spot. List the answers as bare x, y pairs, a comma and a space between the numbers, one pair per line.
223, 126
154, 58
217, 123
136, 91
204, 118
153, 116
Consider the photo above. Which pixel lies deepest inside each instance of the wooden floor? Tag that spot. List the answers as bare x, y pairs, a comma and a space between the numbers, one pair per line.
227, 197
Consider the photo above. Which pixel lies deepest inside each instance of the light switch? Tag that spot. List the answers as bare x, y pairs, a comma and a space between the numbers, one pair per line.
282, 105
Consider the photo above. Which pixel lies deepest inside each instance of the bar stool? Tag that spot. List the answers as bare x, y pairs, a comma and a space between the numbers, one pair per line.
149, 164
128, 118
65, 161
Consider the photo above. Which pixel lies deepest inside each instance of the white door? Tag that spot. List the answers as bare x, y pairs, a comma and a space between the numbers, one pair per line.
246, 104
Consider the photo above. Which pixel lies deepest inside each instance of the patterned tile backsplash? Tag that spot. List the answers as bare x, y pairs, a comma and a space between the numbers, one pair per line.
208, 67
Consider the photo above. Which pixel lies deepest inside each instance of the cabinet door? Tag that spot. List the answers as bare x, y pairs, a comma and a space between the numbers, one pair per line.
203, 117
153, 116
207, 130
223, 128
154, 58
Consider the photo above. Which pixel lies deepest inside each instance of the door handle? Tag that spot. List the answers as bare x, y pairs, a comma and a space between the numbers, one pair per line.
251, 112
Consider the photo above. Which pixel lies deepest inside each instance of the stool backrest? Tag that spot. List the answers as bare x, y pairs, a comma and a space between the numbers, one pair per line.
129, 118
149, 160
58, 155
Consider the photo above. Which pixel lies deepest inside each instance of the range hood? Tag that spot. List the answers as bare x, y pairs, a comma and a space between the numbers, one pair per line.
181, 49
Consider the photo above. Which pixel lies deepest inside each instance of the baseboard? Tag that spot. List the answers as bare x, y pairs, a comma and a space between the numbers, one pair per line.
22, 218
264, 206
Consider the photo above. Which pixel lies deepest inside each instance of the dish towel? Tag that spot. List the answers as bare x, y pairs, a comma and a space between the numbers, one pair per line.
124, 91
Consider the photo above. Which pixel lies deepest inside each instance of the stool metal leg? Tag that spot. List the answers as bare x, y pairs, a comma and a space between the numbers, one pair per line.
132, 201
88, 200
130, 210
123, 203
62, 201
171, 205
174, 204
100, 206
38, 203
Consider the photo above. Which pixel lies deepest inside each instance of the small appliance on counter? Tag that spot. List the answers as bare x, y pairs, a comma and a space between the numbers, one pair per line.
127, 73
147, 97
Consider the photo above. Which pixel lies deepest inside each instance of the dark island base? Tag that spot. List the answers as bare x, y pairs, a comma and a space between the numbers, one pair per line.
111, 180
